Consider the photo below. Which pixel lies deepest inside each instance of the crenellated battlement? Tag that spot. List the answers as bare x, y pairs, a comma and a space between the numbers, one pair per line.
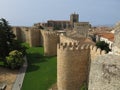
49, 33
72, 46
72, 62
95, 52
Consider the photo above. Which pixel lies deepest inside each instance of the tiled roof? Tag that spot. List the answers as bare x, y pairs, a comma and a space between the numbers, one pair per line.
109, 36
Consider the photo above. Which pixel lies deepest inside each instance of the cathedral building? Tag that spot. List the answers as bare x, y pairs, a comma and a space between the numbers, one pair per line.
62, 24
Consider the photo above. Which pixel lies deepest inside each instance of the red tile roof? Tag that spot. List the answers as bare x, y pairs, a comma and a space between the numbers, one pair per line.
109, 36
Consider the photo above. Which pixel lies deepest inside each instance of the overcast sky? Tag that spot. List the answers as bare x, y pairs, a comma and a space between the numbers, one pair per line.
28, 12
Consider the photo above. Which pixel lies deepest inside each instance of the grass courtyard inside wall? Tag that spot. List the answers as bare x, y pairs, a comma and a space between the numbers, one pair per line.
41, 72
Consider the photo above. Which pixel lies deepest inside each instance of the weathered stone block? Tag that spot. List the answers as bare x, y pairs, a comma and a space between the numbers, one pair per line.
105, 73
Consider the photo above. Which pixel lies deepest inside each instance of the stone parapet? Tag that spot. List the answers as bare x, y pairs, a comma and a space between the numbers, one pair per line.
95, 52
105, 73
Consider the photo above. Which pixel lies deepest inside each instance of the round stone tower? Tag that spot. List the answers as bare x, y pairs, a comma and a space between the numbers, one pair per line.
50, 40
72, 65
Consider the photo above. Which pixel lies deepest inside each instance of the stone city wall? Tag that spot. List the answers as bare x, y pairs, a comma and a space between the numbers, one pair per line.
22, 33
17, 32
25, 34
28, 34
50, 39
105, 73
95, 52
72, 66
34, 37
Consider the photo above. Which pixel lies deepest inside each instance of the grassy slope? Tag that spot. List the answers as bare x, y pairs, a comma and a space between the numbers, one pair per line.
41, 72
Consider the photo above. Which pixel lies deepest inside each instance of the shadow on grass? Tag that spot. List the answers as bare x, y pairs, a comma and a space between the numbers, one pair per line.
34, 60
32, 68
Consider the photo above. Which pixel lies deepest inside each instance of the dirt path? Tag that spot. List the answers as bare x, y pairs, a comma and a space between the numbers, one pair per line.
8, 76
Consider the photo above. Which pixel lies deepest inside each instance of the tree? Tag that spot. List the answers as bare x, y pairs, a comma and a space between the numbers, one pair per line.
6, 38
103, 46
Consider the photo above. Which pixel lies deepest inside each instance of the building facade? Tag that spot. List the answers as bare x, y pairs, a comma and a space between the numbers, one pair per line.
62, 24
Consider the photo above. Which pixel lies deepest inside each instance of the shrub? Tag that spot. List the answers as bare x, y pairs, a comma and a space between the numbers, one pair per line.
14, 60
103, 46
18, 46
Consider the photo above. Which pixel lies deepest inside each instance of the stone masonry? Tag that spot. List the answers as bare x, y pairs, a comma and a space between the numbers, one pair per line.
105, 73
72, 66
95, 52
73, 56
116, 44
29, 35
77, 62
35, 37
73, 62
50, 39
105, 69
73, 59
82, 28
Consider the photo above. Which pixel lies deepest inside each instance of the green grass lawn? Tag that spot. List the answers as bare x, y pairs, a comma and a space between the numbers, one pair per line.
41, 72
